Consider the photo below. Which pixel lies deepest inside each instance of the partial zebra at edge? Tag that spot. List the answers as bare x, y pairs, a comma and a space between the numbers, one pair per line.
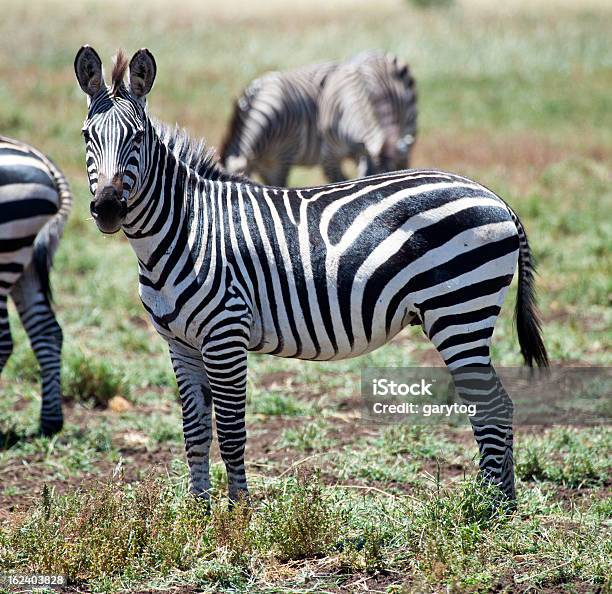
35, 201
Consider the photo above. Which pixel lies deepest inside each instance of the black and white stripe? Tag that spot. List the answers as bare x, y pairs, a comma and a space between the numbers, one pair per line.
368, 113
229, 267
35, 201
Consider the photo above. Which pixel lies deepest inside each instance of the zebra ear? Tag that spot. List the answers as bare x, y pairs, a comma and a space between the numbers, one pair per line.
142, 72
88, 70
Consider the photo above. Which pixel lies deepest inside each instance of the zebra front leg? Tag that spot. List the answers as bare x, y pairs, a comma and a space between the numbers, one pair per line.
275, 175
197, 422
6, 341
332, 165
226, 366
46, 339
366, 166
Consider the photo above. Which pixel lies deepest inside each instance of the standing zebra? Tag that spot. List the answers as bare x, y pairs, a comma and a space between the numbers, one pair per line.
367, 112
325, 273
35, 201
274, 124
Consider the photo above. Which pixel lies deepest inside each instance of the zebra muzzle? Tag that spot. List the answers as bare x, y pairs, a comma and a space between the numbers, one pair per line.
108, 209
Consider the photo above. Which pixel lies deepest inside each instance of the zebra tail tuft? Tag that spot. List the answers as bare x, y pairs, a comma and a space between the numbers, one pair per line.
526, 315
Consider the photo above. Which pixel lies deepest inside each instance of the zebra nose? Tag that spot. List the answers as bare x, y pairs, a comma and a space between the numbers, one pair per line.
108, 209
108, 197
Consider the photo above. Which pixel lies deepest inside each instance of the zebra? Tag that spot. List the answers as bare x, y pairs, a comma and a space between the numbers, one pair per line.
363, 109
35, 202
228, 267
368, 113
274, 124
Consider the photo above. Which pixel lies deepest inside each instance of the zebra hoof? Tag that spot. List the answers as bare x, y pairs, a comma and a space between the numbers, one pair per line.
50, 429
202, 500
239, 499
9, 438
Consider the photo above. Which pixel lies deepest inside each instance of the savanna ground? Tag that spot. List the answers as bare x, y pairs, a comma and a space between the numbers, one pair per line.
518, 97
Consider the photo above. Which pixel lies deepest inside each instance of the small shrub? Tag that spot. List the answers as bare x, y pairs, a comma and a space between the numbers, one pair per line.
89, 380
530, 467
231, 531
365, 552
298, 521
108, 528
453, 521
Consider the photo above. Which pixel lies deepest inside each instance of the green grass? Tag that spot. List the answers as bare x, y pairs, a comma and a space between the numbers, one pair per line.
515, 97
117, 535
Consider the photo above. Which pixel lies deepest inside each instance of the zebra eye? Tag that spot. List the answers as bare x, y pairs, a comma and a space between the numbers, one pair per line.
86, 135
138, 136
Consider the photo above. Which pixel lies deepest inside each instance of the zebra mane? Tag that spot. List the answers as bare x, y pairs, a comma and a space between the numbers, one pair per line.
195, 154
120, 65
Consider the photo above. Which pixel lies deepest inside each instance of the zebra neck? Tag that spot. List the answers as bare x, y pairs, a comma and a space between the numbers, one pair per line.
160, 219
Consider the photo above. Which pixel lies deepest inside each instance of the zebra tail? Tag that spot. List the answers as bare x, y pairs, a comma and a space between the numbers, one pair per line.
47, 239
526, 315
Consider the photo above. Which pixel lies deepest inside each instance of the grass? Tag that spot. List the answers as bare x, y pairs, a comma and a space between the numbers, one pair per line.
118, 534
516, 97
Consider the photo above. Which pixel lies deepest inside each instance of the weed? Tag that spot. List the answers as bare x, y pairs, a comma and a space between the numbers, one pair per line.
86, 379
297, 520
106, 529
312, 436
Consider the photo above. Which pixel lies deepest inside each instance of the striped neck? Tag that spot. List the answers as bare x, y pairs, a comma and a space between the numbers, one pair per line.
162, 208
178, 184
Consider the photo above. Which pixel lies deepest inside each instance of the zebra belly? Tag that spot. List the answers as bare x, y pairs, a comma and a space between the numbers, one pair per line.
328, 347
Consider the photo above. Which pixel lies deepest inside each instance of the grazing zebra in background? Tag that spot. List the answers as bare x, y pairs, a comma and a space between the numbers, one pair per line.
368, 113
274, 124
35, 201
363, 109
227, 266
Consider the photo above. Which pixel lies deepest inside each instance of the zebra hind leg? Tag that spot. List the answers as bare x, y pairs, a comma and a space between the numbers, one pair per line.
492, 423
6, 341
10, 438
463, 340
45, 336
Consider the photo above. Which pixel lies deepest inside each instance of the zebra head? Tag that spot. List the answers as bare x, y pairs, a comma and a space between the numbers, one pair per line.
116, 132
403, 150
